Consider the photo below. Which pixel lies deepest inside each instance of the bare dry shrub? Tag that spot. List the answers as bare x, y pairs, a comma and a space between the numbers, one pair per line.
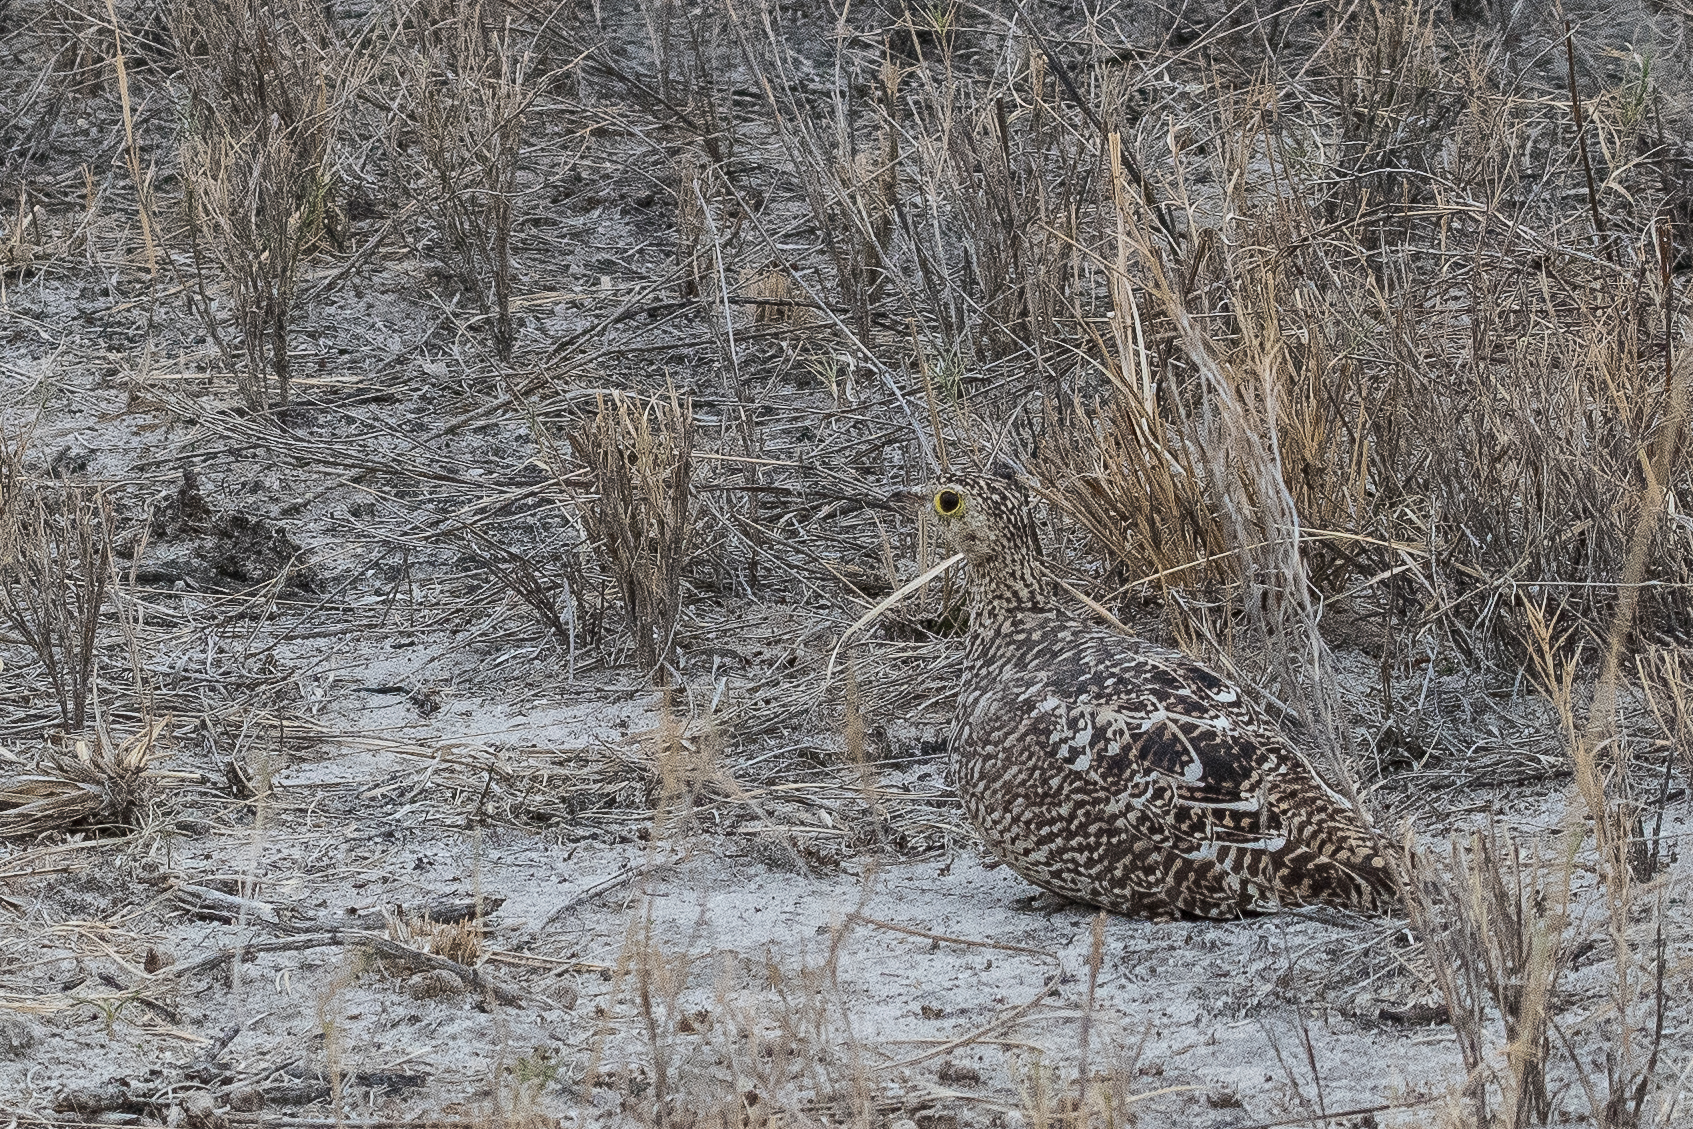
640, 456
1669, 698
689, 56
81, 37
1018, 179
850, 187
709, 224
687, 771
1388, 105
490, 536
462, 73
1460, 445
698, 276
76, 44
264, 84
55, 566
1135, 478
689, 53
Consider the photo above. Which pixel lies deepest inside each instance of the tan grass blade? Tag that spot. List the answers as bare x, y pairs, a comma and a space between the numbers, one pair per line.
901, 593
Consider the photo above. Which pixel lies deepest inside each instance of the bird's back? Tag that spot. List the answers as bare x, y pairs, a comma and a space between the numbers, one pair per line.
1133, 778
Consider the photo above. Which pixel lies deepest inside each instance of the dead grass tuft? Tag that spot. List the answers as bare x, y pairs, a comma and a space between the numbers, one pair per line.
462, 69
56, 564
458, 941
640, 456
80, 784
263, 83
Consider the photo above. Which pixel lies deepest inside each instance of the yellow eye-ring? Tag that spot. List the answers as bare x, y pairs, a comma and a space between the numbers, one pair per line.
949, 503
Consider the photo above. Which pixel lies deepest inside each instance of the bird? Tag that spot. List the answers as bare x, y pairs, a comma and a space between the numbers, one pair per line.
1122, 775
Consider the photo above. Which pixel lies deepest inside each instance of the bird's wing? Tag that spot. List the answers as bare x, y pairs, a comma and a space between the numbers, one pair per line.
1175, 746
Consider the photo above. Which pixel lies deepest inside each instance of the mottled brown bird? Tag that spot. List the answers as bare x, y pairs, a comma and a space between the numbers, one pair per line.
1122, 775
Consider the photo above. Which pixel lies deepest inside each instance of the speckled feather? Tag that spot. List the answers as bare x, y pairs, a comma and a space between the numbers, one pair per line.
1122, 775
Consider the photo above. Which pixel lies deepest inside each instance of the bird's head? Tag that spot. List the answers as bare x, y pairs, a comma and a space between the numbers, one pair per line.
986, 517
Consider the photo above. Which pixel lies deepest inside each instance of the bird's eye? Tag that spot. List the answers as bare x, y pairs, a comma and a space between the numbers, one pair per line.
949, 503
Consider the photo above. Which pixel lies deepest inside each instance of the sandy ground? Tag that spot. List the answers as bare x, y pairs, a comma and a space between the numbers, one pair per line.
933, 988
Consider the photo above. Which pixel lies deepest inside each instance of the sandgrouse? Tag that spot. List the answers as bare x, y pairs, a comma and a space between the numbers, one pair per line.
1122, 775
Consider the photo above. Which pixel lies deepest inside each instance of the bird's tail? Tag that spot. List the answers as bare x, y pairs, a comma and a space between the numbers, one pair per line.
1364, 856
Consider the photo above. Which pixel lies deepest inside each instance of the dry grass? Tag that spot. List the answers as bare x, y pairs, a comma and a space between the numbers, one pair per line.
55, 566
262, 85
1494, 924
1344, 344
639, 455
88, 785
461, 74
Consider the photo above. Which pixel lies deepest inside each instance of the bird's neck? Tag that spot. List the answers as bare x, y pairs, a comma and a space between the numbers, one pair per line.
1005, 585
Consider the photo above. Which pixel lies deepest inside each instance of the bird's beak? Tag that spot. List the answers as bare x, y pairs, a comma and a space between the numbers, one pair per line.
908, 498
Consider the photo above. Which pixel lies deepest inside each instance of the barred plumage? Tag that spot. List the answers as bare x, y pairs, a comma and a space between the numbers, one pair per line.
1123, 775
